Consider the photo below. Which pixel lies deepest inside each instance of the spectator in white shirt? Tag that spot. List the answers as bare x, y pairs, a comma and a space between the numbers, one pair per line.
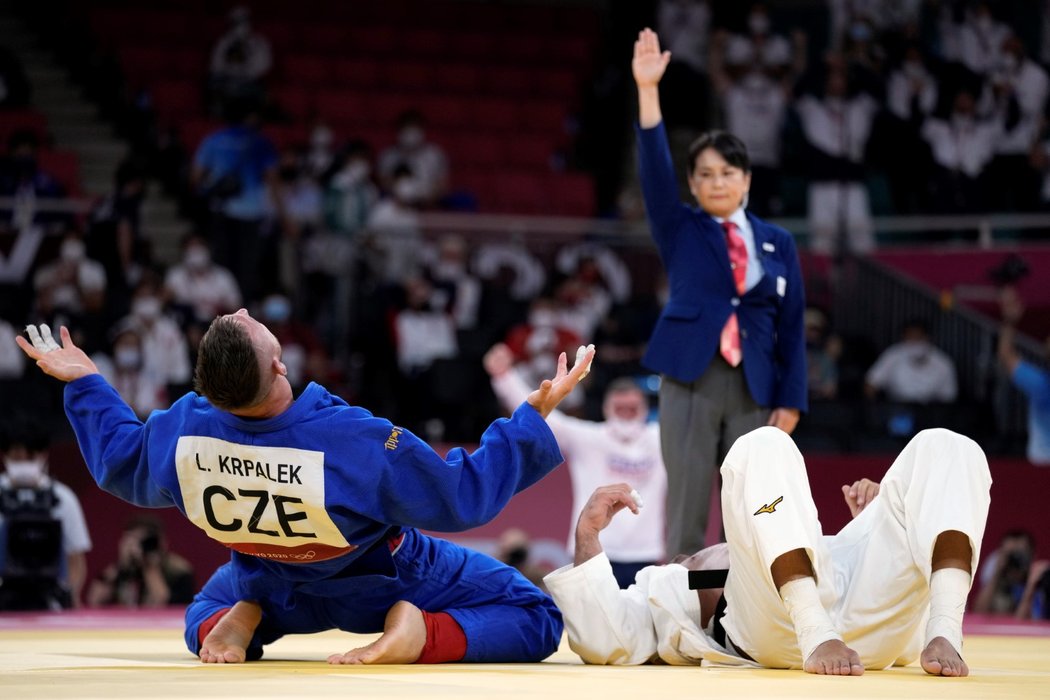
126, 370
837, 126
240, 60
684, 27
913, 370
198, 283
962, 146
425, 161
976, 41
622, 448
12, 360
1020, 87
165, 354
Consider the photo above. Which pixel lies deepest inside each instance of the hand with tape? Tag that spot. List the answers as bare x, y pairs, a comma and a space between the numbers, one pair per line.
66, 361
552, 391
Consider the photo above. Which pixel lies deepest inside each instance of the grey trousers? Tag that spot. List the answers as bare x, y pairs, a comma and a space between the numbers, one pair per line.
699, 422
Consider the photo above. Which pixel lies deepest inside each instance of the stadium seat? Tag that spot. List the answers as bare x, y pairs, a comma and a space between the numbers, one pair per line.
63, 166
572, 194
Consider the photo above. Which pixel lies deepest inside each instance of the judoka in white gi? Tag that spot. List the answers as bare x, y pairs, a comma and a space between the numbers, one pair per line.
888, 589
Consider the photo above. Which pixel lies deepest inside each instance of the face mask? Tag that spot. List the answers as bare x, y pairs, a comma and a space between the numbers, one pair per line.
411, 137
625, 428
197, 258
25, 472
146, 307
72, 250
321, 139
127, 358
407, 190
758, 24
542, 319
277, 310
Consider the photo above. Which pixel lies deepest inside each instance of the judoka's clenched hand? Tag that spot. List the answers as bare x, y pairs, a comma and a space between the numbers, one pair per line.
597, 513
859, 495
66, 362
552, 391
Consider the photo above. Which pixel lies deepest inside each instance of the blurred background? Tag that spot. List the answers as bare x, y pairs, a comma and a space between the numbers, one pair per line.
395, 187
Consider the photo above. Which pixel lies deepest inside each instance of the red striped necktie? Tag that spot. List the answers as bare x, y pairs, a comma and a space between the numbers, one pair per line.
729, 345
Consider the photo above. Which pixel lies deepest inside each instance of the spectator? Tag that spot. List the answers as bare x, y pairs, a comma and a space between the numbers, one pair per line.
14, 86
913, 370
303, 354
297, 207
127, 371
240, 61
424, 333
350, 193
754, 104
962, 146
44, 535
22, 179
1035, 602
426, 163
197, 283
685, 26
114, 234
70, 283
319, 156
165, 354
1004, 574
393, 223
585, 297
837, 125
973, 39
233, 169
450, 275
912, 90
1020, 87
12, 362
146, 574
762, 50
621, 448
537, 343
823, 350
1033, 381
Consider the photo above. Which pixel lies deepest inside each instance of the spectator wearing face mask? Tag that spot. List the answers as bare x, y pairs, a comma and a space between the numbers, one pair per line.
165, 354
125, 369
913, 370
201, 285
350, 193
536, 344
622, 448
449, 274
43, 534
976, 40
303, 353
962, 145
71, 283
240, 61
393, 223
425, 160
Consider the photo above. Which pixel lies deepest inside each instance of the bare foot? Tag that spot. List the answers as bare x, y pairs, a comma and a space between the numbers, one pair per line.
404, 634
834, 658
940, 658
227, 643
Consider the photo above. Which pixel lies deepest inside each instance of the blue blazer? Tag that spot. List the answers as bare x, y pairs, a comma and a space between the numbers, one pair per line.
703, 294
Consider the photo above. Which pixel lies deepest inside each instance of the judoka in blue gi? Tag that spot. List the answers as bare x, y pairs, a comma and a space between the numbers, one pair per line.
320, 502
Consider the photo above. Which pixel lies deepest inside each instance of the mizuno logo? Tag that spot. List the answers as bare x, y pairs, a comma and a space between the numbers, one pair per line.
770, 508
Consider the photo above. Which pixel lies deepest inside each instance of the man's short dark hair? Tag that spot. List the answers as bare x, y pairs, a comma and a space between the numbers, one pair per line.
227, 372
622, 385
725, 144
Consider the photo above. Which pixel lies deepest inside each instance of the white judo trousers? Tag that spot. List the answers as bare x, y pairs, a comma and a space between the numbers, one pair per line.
873, 576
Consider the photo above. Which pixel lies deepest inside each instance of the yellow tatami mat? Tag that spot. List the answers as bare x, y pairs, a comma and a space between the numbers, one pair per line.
153, 663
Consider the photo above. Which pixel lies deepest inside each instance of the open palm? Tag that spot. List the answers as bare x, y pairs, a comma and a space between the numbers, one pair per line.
649, 62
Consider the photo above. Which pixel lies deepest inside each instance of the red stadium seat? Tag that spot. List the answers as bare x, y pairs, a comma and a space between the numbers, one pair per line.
496, 113
356, 73
342, 106
521, 193
297, 102
63, 166
142, 65
412, 76
542, 115
572, 194
560, 83
473, 47
23, 120
508, 81
306, 70
424, 44
478, 149
458, 77
324, 38
176, 99
445, 111
374, 41
192, 131
529, 151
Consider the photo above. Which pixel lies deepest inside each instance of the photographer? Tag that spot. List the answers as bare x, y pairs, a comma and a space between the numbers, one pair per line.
43, 535
145, 574
1004, 574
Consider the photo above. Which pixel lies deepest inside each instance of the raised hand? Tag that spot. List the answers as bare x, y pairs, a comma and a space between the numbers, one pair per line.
859, 495
597, 513
66, 362
498, 360
649, 62
552, 391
